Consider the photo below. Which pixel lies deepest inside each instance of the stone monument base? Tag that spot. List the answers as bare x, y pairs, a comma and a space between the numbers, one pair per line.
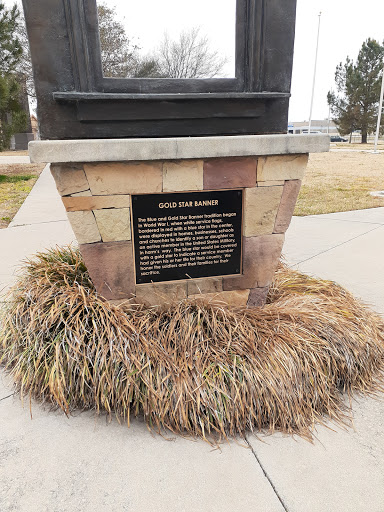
98, 178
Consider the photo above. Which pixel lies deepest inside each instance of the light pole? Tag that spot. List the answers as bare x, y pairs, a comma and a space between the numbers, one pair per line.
379, 114
314, 76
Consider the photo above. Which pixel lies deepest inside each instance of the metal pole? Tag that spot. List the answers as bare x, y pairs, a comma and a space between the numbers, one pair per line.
314, 77
379, 114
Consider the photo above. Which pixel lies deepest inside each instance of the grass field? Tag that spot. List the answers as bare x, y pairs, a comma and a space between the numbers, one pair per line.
338, 182
355, 145
16, 181
334, 182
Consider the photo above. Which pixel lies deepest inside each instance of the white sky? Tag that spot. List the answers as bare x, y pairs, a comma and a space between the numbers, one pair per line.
148, 20
345, 24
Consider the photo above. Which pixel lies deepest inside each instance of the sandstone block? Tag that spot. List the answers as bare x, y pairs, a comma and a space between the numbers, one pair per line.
229, 173
287, 205
77, 203
257, 297
155, 294
125, 178
261, 256
69, 179
281, 167
84, 226
206, 285
110, 266
114, 224
261, 206
183, 175
236, 298
270, 183
85, 193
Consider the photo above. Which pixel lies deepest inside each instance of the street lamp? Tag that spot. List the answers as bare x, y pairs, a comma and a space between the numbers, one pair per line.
379, 113
314, 76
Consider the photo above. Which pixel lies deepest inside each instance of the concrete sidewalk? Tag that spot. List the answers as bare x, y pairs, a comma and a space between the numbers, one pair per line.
17, 159
53, 463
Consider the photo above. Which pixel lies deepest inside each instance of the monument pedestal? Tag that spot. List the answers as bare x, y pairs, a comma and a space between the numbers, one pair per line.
159, 220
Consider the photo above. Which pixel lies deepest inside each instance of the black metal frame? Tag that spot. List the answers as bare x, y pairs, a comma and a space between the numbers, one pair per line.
76, 93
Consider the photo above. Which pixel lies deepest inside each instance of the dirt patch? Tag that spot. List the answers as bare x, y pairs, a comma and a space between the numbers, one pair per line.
14, 153
20, 169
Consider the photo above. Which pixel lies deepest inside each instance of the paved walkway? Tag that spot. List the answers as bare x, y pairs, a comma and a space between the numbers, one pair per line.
17, 159
82, 463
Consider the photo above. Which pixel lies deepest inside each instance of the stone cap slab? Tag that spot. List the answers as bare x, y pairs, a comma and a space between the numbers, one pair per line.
118, 150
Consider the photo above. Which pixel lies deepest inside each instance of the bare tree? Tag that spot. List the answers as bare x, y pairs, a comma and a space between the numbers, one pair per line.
190, 56
118, 52
24, 66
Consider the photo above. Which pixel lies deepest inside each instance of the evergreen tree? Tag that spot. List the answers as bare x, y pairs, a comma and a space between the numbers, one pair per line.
12, 116
358, 87
10, 47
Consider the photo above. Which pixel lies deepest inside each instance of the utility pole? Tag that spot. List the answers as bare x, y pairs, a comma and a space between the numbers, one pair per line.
379, 113
314, 76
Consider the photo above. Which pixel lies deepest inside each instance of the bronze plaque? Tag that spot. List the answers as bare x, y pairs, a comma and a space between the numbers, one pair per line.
187, 235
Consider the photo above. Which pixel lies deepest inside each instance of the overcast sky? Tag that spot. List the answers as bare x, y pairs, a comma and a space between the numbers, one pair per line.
345, 24
149, 20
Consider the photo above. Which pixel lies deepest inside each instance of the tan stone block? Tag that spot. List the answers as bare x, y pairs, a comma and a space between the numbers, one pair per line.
257, 297
156, 294
183, 175
84, 226
110, 266
270, 183
222, 173
114, 224
86, 193
206, 285
261, 206
69, 179
75, 204
287, 205
125, 178
261, 256
281, 167
236, 298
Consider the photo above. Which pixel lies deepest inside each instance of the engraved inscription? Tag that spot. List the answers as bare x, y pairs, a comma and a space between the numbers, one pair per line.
187, 235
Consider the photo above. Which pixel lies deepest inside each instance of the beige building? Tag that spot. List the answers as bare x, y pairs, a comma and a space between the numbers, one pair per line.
323, 126
35, 127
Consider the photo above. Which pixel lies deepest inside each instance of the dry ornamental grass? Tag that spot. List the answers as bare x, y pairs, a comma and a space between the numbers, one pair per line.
194, 367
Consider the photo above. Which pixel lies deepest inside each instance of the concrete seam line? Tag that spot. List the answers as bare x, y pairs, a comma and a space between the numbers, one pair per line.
344, 220
338, 245
267, 476
9, 396
36, 223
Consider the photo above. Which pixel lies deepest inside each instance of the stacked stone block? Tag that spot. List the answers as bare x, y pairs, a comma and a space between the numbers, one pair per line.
97, 199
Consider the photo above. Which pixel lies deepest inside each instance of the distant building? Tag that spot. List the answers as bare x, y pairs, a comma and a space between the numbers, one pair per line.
323, 126
35, 127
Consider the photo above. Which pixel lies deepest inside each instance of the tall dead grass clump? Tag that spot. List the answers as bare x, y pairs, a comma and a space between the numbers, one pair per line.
194, 367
